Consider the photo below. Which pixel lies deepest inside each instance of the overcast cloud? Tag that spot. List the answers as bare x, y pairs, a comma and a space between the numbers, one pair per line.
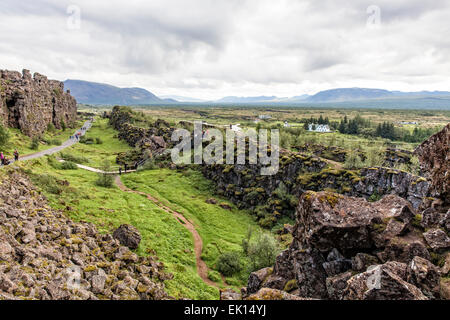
214, 48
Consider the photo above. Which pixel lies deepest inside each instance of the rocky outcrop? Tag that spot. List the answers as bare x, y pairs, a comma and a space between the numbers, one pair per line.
44, 255
434, 157
128, 236
32, 103
349, 248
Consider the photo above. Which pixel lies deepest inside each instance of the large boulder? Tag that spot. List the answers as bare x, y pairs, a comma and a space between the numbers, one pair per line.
128, 236
256, 279
424, 275
437, 239
382, 282
328, 220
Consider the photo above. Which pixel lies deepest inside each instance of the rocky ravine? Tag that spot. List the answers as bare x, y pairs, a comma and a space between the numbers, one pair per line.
44, 255
32, 103
346, 248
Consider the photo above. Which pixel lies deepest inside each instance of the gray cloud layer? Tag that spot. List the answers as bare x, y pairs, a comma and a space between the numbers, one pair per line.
213, 48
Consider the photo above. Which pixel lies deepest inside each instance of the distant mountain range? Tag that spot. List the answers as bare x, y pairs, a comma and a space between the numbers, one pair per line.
99, 93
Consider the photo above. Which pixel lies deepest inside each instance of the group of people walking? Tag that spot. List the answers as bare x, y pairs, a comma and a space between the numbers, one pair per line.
5, 161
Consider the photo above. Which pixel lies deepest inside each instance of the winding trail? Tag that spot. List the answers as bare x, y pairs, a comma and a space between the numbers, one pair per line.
202, 268
66, 144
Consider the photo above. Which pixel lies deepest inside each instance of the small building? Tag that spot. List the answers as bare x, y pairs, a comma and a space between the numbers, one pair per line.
264, 117
319, 127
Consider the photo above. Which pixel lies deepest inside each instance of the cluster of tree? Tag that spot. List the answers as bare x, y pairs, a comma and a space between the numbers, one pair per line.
353, 126
386, 130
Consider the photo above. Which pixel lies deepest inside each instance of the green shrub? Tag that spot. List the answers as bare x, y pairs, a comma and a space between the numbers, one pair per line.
63, 125
55, 142
353, 161
47, 182
73, 158
4, 135
98, 141
229, 263
35, 143
263, 251
68, 165
105, 180
51, 127
214, 276
246, 240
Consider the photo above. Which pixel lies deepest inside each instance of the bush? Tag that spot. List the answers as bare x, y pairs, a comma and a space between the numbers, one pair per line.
63, 125
55, 142
48, 183
353, 161
35, 143
263, 251
98, 141
105, 180
246, 240
4, 135
73, 158
214, 276
51, 127
229, 263
68, 165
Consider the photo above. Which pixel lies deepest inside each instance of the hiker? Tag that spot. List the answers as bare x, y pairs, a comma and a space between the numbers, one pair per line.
126, 167
120, 171
16, 155
2, 158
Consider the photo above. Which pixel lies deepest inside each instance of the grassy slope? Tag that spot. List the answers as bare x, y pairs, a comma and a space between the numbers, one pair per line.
22, 142
221, 230
97, 153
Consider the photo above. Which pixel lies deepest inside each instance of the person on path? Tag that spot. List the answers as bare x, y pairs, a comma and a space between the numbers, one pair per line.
126, 167
2, 158
120, 171
16, 155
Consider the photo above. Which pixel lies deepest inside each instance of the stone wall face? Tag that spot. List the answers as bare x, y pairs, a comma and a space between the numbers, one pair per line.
32, 103
434, 157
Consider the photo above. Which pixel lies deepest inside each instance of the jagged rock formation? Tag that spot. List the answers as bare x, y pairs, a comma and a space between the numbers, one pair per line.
434, 157
32, 103
44, 255
149, 139
342, 243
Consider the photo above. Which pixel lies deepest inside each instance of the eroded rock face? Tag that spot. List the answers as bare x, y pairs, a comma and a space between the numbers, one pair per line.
340, 244
328, 220
382, 282
44, 255
434, 156
128, 236
32, 103
424, 275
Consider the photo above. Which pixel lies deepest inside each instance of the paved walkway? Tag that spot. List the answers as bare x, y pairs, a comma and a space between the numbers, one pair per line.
66, 144
100, 171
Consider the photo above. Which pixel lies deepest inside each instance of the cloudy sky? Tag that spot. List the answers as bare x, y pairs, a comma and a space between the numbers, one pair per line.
214, 48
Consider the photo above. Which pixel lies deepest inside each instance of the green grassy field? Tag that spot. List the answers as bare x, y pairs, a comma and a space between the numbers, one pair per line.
95, 153
186, 192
